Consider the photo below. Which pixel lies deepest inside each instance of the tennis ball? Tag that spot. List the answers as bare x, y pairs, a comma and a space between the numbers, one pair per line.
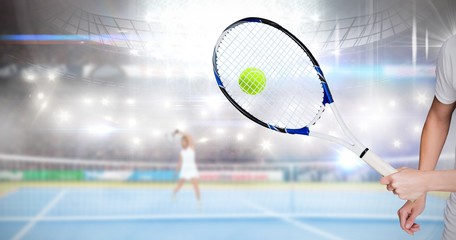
252, 81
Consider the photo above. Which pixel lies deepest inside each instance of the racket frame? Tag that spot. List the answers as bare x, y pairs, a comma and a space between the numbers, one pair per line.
351, 143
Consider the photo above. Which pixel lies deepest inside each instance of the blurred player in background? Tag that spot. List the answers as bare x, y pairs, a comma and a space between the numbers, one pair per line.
186, 167
413, 184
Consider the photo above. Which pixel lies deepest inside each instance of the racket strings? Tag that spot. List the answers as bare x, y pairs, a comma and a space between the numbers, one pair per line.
292, 96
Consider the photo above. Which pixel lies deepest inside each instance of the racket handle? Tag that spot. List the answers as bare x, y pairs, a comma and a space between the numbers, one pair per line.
378, 164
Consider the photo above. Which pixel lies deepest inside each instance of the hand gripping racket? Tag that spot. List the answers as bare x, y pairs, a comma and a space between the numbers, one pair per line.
272, 78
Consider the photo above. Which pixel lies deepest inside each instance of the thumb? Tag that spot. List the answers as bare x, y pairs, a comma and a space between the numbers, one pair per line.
411, 220
385, 180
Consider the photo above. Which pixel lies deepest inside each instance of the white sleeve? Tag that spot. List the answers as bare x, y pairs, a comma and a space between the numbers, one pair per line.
445, 90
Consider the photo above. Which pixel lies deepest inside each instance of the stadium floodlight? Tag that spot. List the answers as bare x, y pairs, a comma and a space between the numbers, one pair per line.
239, 137
40, 96
397, 143
131, 101
64, 116
134, 52
51, 77
30, 78
104, 101
421, 98
266, 145
100, 129
136, 140
132, 122
203, 140
87, 101
220, 130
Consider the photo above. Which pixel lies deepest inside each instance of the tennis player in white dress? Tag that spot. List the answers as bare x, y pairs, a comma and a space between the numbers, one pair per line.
188, 171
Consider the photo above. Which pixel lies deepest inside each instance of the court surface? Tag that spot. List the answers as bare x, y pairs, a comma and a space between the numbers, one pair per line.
227, 211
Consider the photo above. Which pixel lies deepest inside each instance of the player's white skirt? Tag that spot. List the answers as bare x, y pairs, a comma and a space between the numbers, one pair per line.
188, 172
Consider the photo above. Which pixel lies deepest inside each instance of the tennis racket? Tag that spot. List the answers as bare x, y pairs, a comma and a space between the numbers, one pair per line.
273, 79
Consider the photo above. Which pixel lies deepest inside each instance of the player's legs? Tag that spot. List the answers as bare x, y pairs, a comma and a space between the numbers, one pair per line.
196, 188
449, 233
178, 186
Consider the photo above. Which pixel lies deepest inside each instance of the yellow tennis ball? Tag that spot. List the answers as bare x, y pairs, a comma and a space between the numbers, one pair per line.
252, 81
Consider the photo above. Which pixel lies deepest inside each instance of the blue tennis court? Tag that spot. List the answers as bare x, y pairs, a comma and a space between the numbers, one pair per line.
241, 211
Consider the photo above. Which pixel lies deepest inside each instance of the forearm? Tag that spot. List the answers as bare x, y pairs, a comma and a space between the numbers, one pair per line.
444, 181
433, 138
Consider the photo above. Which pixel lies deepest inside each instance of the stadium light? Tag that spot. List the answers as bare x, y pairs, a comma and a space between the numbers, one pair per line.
392, 103
40, 96
131, 101
421, 98
239, 137
220, 130
64, 116
203, 113
134, 52
315, 17
136, 140
100, 129
266, 145
87, 101
30, 78
132, 122
51, 77
104, 101
417, 128
397, 143
167, 104
203, 140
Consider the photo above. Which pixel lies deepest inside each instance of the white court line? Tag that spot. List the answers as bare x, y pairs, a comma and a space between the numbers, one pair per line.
133, 217
295, 223
19, 235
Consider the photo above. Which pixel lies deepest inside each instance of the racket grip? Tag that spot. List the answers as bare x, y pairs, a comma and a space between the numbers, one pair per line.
378, 164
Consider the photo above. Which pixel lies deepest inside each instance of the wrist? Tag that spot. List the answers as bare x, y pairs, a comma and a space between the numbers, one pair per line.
428, 180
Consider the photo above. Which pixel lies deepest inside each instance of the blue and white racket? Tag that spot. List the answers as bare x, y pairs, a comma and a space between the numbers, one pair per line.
272, 78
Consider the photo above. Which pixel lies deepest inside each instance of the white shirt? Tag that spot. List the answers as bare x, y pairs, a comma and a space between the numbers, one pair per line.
445, 92
445, 88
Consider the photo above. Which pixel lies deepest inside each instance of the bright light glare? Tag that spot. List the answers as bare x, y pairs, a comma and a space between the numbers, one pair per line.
104, 102
100, 129
30, 78
240, 137
136, 140
88, 101
392, 103
64, 116
132, 122
220, 130
167, 104
397, 143
203, 140
40, 96
134, 52
417, 129
203, 113
316, 17
348, 160
421, 98
266, 145
108, 118
51, 77
131, 101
